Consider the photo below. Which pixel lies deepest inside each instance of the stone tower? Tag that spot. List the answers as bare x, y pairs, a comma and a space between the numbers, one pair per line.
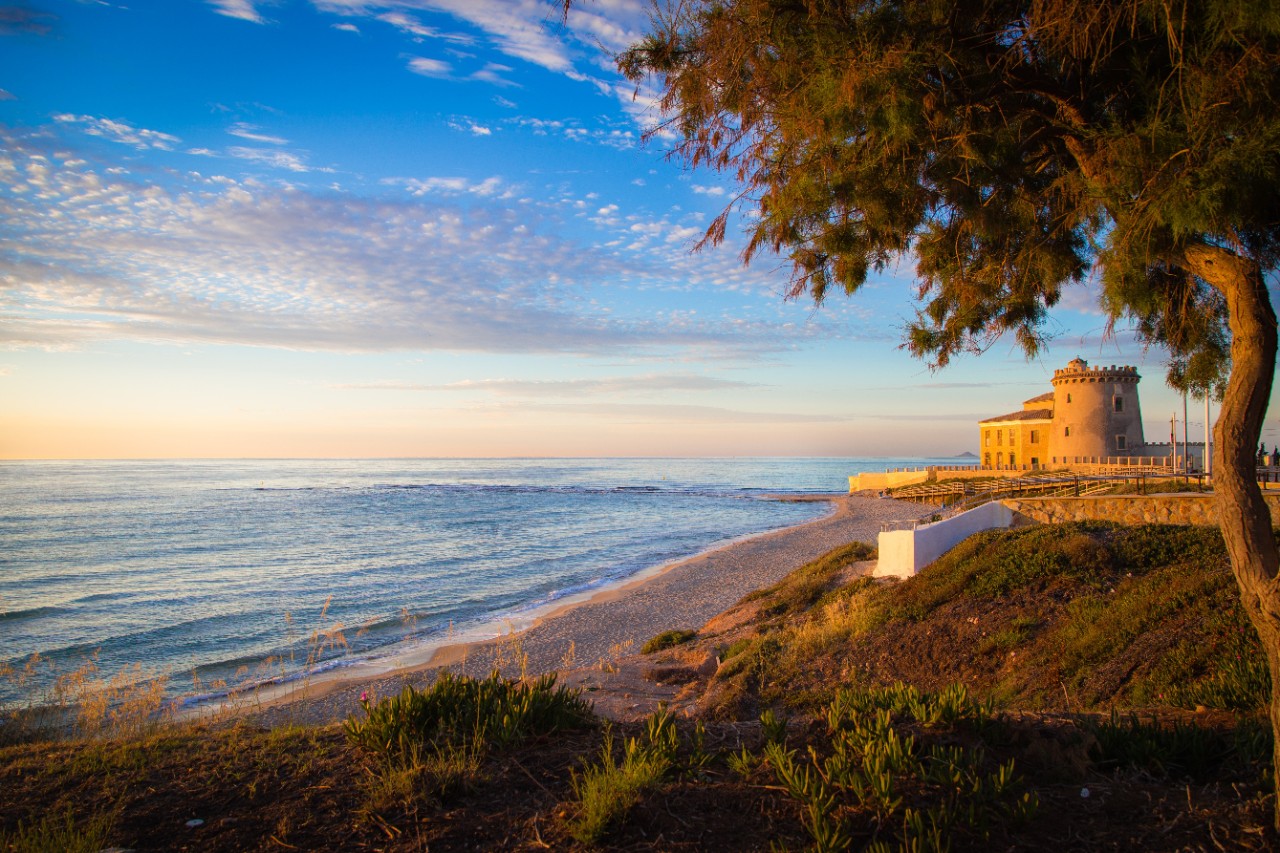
1095, 413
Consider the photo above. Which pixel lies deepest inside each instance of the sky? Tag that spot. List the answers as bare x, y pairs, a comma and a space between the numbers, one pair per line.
424, 228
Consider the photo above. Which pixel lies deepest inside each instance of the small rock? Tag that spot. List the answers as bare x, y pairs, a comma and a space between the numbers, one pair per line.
1084, 793
194, 822
709, 664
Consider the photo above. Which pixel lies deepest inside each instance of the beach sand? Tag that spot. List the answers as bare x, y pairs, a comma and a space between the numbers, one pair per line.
617, 622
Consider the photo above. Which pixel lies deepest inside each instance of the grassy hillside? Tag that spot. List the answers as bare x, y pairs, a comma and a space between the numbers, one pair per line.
846, 715
1075, 617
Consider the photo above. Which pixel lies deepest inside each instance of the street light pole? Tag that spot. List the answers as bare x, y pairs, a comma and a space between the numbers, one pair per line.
1186, 461
1208, 436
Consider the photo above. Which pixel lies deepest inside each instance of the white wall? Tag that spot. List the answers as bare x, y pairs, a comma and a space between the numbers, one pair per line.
905, 552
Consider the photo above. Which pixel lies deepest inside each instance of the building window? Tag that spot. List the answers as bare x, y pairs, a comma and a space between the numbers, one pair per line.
999, 459
986, 436
1118, 402
1122, 442
986, 460
1013, 460
1000, 438
1068, 398
1035, 438
1011, 435
1035, 462
1066, 432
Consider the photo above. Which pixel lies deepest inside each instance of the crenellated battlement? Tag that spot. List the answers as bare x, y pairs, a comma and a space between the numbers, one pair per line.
1080, 371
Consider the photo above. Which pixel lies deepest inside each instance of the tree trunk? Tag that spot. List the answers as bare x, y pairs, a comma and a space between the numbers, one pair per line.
1243, 515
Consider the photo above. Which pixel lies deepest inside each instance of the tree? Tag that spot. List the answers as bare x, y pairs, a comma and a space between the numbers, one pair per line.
1013, 147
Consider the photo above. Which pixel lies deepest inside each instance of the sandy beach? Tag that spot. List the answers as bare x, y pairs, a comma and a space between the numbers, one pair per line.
616, 622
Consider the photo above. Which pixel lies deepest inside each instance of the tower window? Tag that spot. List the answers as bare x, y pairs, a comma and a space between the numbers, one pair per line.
1118, 402
1035, 436
1066, 431
1122, 442
1068, 398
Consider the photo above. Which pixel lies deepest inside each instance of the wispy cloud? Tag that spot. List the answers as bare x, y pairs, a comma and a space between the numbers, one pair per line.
492, 73
7, 96
92, 252
23, 19
250, 132
448, 186
643, 413
429, 67
614, 137
615, 385
419, 31
406, 24
245, 10
274, 158
120, 131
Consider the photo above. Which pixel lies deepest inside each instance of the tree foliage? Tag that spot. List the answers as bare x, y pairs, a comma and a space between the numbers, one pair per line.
1012, 145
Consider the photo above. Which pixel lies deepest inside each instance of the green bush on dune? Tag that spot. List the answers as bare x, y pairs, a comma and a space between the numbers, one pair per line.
462, 710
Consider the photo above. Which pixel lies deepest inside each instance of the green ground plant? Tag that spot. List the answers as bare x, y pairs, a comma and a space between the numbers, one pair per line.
804, 587
877, 783
460, 710
667, 640
1178, 749
607, 790
60, 833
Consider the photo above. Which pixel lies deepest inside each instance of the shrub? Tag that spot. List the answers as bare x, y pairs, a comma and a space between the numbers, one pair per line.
459, 709
667, 640
804, 587
874, 769
1177, 749
607, 791
59, 833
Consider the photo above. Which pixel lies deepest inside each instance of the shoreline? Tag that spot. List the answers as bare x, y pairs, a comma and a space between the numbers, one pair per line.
603, 625
451, 649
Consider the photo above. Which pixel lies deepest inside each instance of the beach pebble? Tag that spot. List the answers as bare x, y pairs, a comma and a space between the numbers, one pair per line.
194, 822
1084, 793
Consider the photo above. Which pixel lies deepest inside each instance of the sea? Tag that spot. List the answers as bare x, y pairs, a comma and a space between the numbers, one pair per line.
224, 573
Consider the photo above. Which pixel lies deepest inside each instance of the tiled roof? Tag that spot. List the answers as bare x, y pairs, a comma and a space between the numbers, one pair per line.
1043, 398
1024, 415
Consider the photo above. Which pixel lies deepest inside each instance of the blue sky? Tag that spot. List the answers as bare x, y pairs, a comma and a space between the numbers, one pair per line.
420, 228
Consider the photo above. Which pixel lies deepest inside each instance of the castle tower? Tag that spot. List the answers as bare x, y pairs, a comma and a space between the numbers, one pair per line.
1095, 413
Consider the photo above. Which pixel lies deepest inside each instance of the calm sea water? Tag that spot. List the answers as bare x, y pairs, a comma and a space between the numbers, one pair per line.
226, 567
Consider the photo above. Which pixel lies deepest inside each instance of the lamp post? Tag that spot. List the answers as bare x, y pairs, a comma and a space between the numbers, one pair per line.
1186, 462
1208, 437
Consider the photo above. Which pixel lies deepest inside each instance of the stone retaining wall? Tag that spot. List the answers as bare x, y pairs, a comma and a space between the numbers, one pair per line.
1128, 509
873, 481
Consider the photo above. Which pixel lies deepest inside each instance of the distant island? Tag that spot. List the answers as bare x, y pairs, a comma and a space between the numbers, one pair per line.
966, 455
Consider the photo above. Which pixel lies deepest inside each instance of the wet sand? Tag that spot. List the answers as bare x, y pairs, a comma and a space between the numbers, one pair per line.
613, 623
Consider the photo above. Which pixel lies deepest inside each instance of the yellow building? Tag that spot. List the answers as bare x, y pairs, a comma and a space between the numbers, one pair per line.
1019, 439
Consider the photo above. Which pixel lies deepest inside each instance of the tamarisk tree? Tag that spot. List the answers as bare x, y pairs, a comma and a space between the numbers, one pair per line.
1014, 147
